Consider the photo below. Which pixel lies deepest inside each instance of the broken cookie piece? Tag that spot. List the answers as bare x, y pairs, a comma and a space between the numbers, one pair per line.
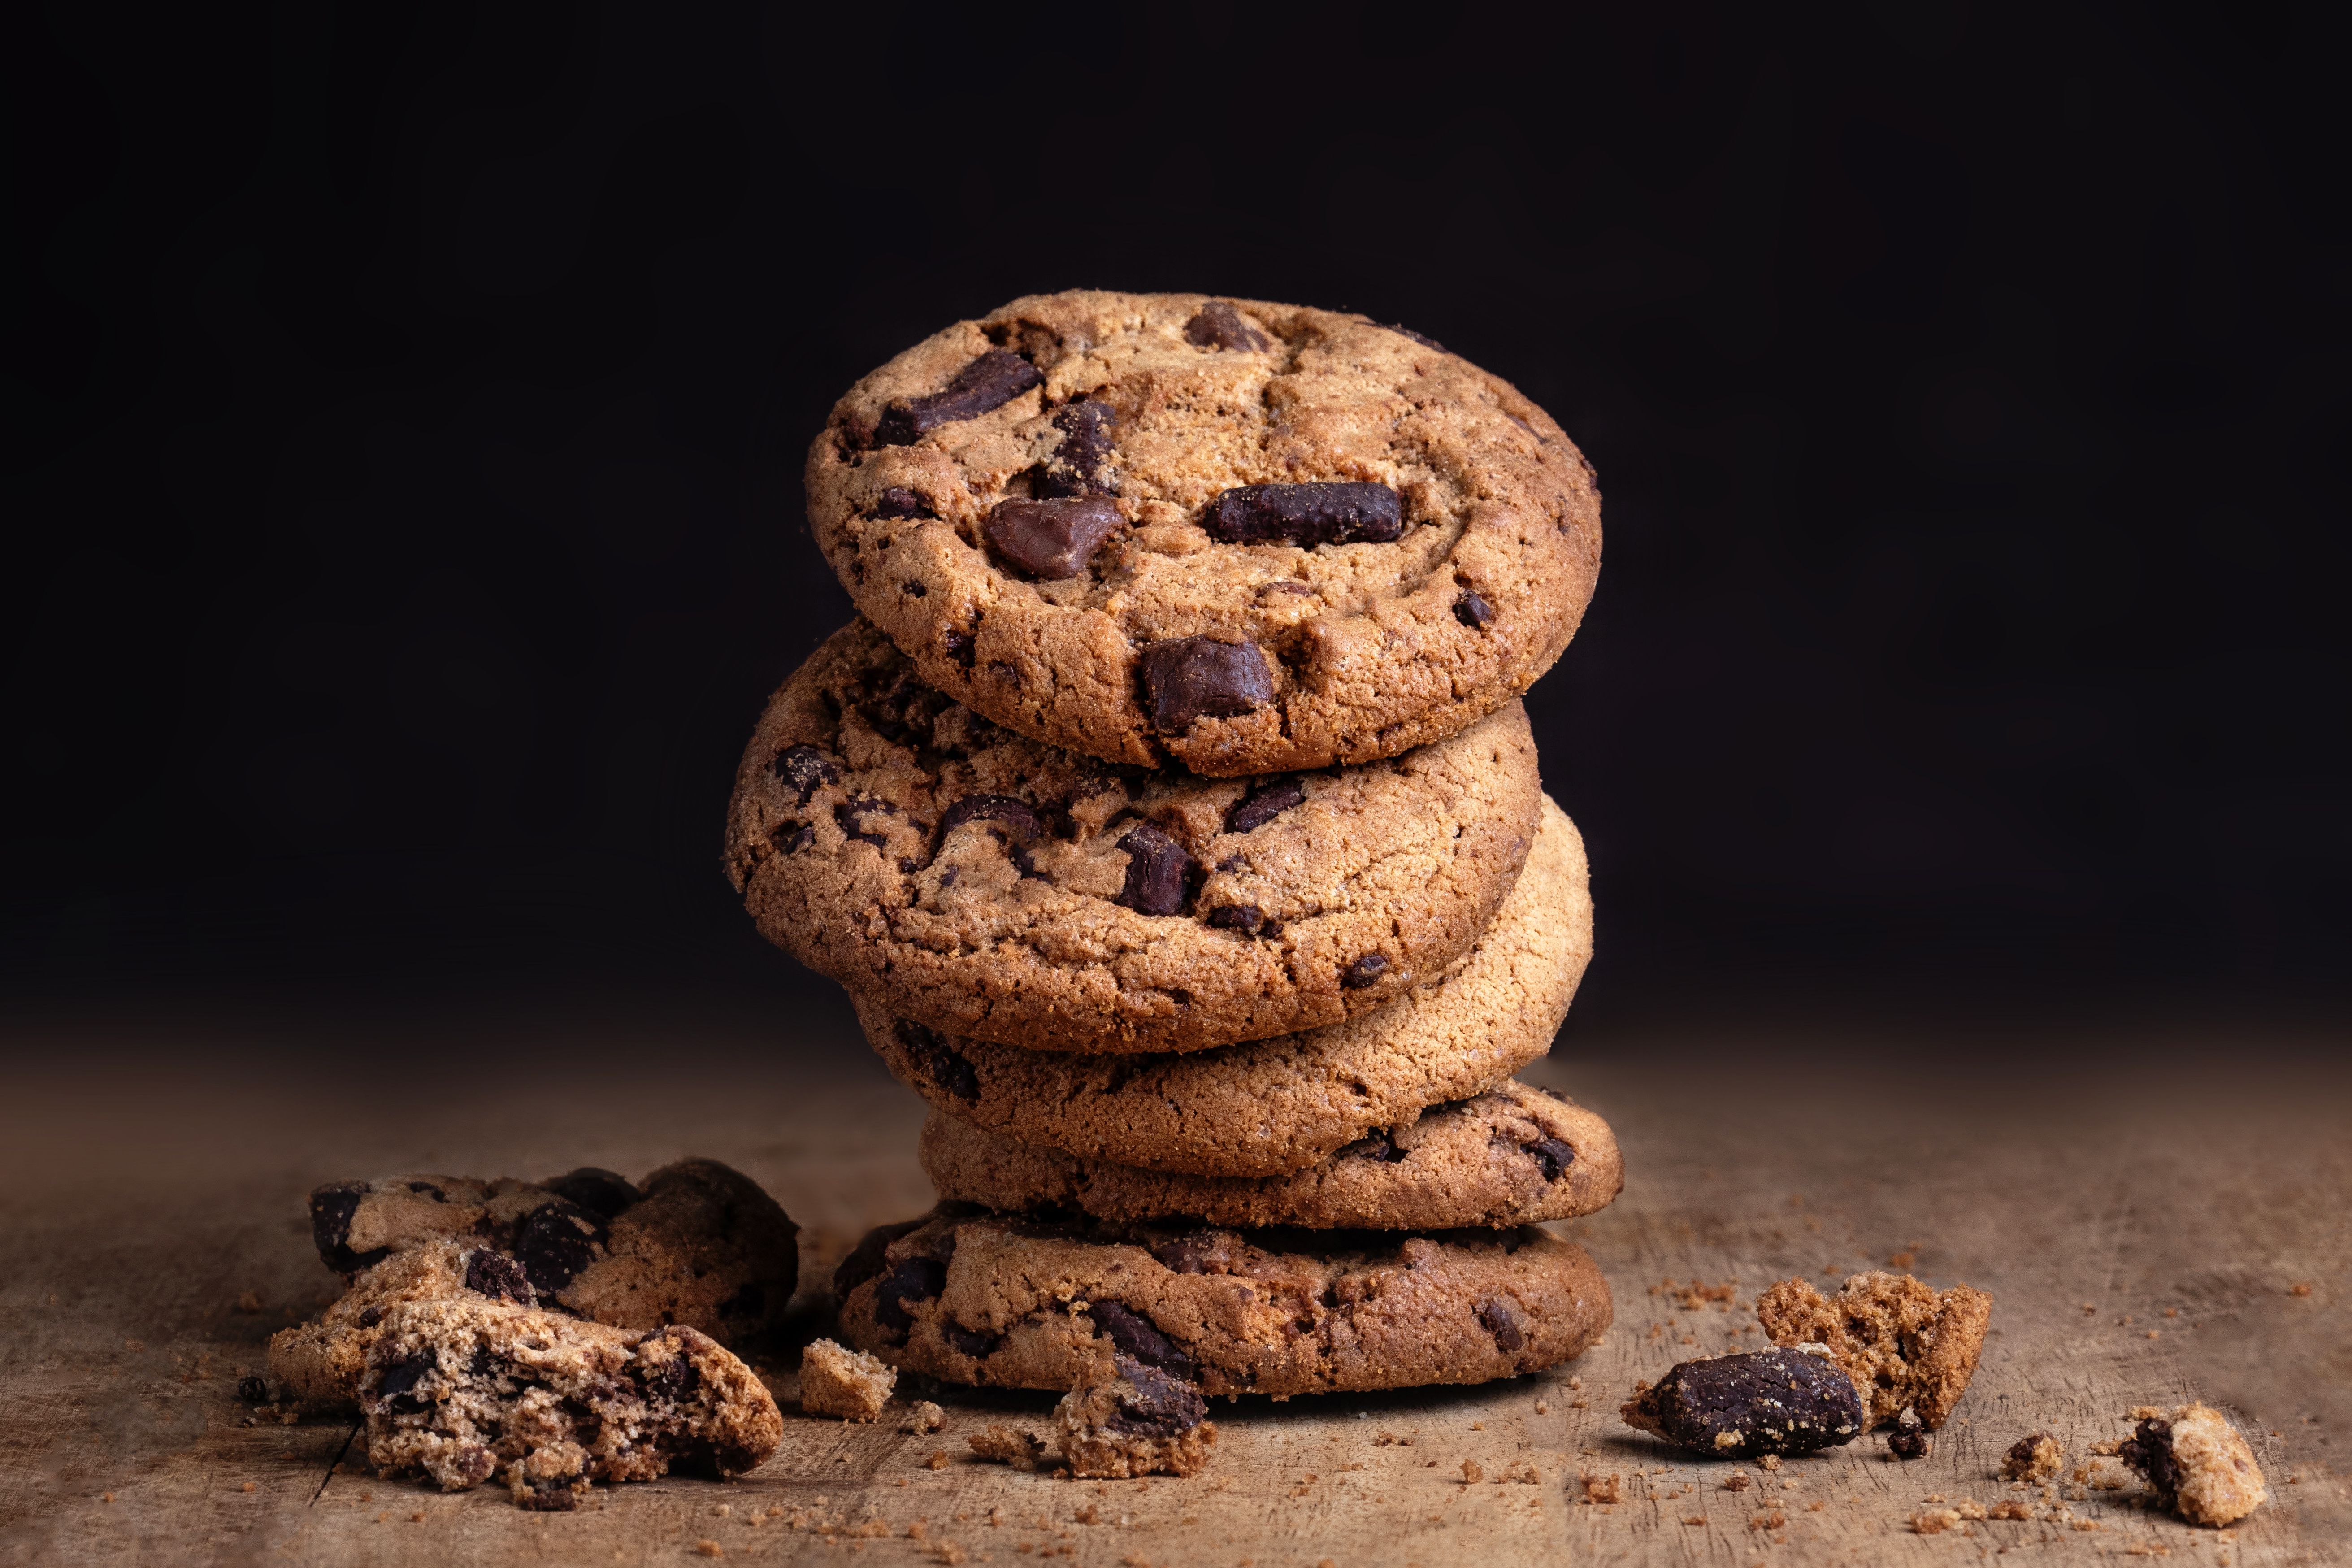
1906, 1346
2199, 1466
838, 1381
466, 1389
1134, 1420
2033, 1457
1756, 1402
1008, 1445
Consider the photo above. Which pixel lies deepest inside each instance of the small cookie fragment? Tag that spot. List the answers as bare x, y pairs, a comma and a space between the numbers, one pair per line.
923, 1417
1908, 1440
1755, 1402
2035, 1456
2200, 1469
838, 1381
1906, 1346
1134, 1420
1008, 1445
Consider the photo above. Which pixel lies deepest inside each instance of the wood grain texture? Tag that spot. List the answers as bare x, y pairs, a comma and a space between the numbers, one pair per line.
154, 1178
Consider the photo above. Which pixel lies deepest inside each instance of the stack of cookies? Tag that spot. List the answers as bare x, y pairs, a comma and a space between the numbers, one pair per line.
1171, 818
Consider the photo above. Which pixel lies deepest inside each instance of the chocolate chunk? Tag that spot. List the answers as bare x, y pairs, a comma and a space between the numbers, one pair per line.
915, 1279
961, 647
396, 1388
1473, 610
1015, 814
977, 1343
1159, 872
1377, 1146
1365, 970
805, 768
474, 1466
601, 1192
1237, 917
1305, 514
1759, 1402
992, 381
2148, 1450
1217, 325
555, 1243
253, 1390
332, 1207
1193, 678
791, 837
1132, 1334
1908, 1442
370, 1316
554, 1494
900, 502
1416, 337
1554, 1156
947, 1067
1053, 539
1497, 1319
850, 817
1078, 466
1189, 1253
1159, 1407
494, 1274
481, 1364
673, 1380
1263, 805
868, 1257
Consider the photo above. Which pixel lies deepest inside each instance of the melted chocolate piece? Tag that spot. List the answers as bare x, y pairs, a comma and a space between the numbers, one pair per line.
1473, 610
1758, 1402
1077, 466
1498, 1320
602, 1193
1305, 514
868, 1257
977, 1343
1263, 805
1217, 325
1238, 917
948, 1067
1195, 678
992, 381
499, 1276
1015, 814
1553, 1155
1052, 539
1365, 970
899, 501
850, 817
332, 1207
556, 1243
396, 1389
1159, 1407
2148, 1450
1189, 1253
915, 1279
1160, 873
805, 769
962, 647
1132, 1334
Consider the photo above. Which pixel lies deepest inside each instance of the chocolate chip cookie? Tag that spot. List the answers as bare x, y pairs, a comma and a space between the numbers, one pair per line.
1515, 1155
1235, 536
464, 1388
984, 884
973, 1296
1280, 1105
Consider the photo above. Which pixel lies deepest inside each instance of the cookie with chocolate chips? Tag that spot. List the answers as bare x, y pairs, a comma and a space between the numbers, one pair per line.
1229, 535
978, 883
1280, 1105
1515, 1155
972, 1296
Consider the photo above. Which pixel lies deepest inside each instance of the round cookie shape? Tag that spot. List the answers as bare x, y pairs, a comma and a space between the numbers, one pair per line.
971, 1297
980, 883
1279, 1105
1514, 1155
1231, 535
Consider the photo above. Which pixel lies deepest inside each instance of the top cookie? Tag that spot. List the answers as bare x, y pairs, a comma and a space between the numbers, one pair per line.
1236, 536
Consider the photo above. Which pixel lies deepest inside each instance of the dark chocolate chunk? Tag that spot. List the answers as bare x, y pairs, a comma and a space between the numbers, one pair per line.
791, 837
601, 1192
1217, 325
992, 381
1159, 872
673, 1380
1053, 539
1193, 677
850, 816
1365, 970
2148, 1450
1263, 805
1416, 337
253, 1390
900, 502
805, 768
481, 1364
474, 1466
1908, 1442
396, 1388
948, 1067
552, 1495
915, 1279
1132, 1334
1077, 466
370, 1316
1553, 1155
332, 1207
868, 1257
1376, 1145
555, 1243
1159, 1405
1759, 1402
977, 1343
1305, 514
494, 1274
1497, 1319
1189, 1253
1473, 610
961, 647
1014, 814
1238, 917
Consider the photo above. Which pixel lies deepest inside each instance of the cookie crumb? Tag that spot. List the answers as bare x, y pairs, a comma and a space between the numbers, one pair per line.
2198, 1464
1603, 1489
1472, 1474
1770, 1461
1772, 1520
2033, 1457
2298, 1290
1935, 1521
246, 1488
837, 1380
1908, 1440
923, 1417
708, 1548
938, 1461
1006, 1445
1739, 1481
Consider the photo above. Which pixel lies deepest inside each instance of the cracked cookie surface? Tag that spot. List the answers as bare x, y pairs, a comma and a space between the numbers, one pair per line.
1230, 535
1282, 1104
1514, 1155
980, 883
973, 1296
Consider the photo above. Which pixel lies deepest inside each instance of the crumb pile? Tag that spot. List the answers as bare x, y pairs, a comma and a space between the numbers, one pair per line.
1171, 815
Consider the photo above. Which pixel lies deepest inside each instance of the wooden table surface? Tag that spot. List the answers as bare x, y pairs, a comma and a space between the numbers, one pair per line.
2143, 1206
